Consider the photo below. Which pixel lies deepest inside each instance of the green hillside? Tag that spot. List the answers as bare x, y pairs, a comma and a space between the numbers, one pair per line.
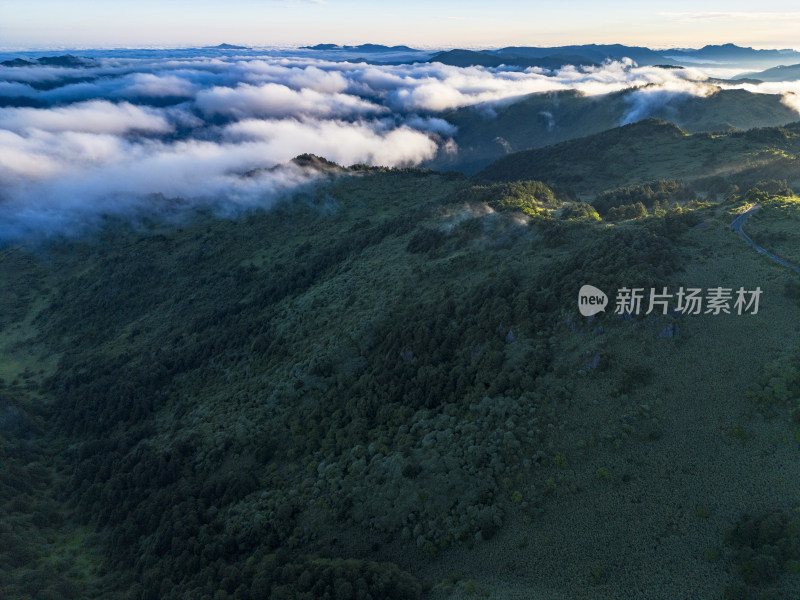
651, 150
382, 388
487, 133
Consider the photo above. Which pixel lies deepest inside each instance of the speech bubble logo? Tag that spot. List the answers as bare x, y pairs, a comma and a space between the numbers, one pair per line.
591, 300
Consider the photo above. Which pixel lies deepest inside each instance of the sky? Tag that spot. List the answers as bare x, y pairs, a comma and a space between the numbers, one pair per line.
45, 24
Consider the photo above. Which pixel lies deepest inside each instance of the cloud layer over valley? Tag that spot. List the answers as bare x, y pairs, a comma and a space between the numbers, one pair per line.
126, 135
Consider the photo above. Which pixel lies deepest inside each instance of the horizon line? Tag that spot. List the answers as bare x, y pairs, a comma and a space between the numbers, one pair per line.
420, 47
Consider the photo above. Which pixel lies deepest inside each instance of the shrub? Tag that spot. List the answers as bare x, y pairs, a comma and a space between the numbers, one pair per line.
626, 212
655, 195
580, 212
530, 197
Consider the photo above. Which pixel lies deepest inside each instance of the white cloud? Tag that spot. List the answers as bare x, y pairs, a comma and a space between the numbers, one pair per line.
94, 116
156, 86
792, 100
731, 15
275, 100
342, 142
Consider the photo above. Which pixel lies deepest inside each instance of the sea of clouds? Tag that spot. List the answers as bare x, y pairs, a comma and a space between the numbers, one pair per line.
134, 133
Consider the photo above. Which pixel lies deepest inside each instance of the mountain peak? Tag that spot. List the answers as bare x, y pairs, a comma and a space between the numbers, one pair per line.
227, 47
727, 46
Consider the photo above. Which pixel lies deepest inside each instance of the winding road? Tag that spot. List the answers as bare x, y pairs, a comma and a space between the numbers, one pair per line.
736, 226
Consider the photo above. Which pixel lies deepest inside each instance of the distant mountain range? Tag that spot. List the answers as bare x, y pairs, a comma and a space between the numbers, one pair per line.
66, 60
555, 57
594, 53
370, 48
779, 73
469, 58
590, 54
731, 53
755, 64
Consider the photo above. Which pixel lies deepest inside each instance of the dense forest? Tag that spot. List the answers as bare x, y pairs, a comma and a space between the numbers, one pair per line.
334, 397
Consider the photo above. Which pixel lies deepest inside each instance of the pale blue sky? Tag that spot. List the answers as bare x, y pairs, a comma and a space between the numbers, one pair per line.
120, 23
